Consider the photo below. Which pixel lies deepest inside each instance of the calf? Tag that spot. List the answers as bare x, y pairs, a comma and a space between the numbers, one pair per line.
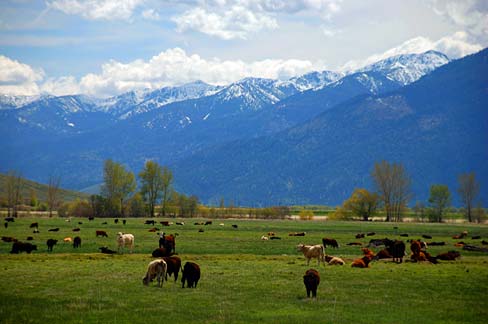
191, 274
311, 279
332, 260
77, 242
76, 229
101, 233
312, 251
155, 269
33, 225
18, 247
50, 244
330, 242
8, 239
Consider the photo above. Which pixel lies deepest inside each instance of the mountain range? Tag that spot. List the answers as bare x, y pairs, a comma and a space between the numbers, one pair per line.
309, 139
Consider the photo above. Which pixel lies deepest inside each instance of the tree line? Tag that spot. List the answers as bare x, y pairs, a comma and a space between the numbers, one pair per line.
392, 195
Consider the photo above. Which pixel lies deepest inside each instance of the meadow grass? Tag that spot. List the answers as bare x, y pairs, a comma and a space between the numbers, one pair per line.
243, 279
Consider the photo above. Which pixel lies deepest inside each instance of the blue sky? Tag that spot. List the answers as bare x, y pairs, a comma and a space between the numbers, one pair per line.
106, 47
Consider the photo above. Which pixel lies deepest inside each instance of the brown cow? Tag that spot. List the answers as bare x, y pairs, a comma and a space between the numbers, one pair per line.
330, 242
448, 256
174, 266
362, 262
311, 279
101, 233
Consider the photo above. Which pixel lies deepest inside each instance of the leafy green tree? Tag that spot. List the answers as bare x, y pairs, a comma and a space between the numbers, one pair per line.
468, 190
362, 203
167, 181
136, 206
439, 200
151, 184
118, 185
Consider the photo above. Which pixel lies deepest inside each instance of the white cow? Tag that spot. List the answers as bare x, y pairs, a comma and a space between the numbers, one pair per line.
312, 251
155, 269
125, 240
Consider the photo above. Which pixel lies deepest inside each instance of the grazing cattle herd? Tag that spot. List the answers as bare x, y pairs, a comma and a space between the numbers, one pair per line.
168, 264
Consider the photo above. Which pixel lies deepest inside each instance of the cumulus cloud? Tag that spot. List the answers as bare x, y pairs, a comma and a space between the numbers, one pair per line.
454, 46
231, 19
238, 22
62, 86
18, 78
97, 9
176, 67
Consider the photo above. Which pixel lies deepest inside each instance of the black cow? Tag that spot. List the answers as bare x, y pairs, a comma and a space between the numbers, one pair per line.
50, 243
311, 279
9, 219
106, 250
53, 229
116, 221
18, 247
396, 248
77, 242
191, 274
330, 242
149, 222
34, 225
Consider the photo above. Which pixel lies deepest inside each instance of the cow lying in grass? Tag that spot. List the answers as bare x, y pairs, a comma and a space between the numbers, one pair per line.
362, 262
332, 260
312, 251
155, 269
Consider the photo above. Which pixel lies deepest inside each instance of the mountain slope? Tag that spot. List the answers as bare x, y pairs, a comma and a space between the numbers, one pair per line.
437, 127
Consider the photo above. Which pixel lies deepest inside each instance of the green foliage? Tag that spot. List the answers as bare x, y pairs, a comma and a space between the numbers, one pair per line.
362, 203
306, 215
439, 200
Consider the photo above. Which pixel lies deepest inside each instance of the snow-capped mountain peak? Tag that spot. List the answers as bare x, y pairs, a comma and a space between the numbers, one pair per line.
407, 68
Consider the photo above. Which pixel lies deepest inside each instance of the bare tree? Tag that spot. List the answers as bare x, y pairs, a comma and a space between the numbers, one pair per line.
14, 192
393, 185
468, 190
53, 189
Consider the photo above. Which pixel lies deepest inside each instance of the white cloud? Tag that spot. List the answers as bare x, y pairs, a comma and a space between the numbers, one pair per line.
239, 18
176, 67
61, 86
454, 46
238, 22
472, 15
151, 14
18, 78
97, 9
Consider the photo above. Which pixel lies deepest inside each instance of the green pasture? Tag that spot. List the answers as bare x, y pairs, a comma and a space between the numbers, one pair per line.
244, 279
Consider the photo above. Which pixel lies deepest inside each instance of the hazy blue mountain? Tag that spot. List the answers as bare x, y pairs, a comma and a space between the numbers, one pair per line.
73, 135
437, 127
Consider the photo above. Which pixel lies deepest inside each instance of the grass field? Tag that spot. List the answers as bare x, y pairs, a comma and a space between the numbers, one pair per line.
243, 280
